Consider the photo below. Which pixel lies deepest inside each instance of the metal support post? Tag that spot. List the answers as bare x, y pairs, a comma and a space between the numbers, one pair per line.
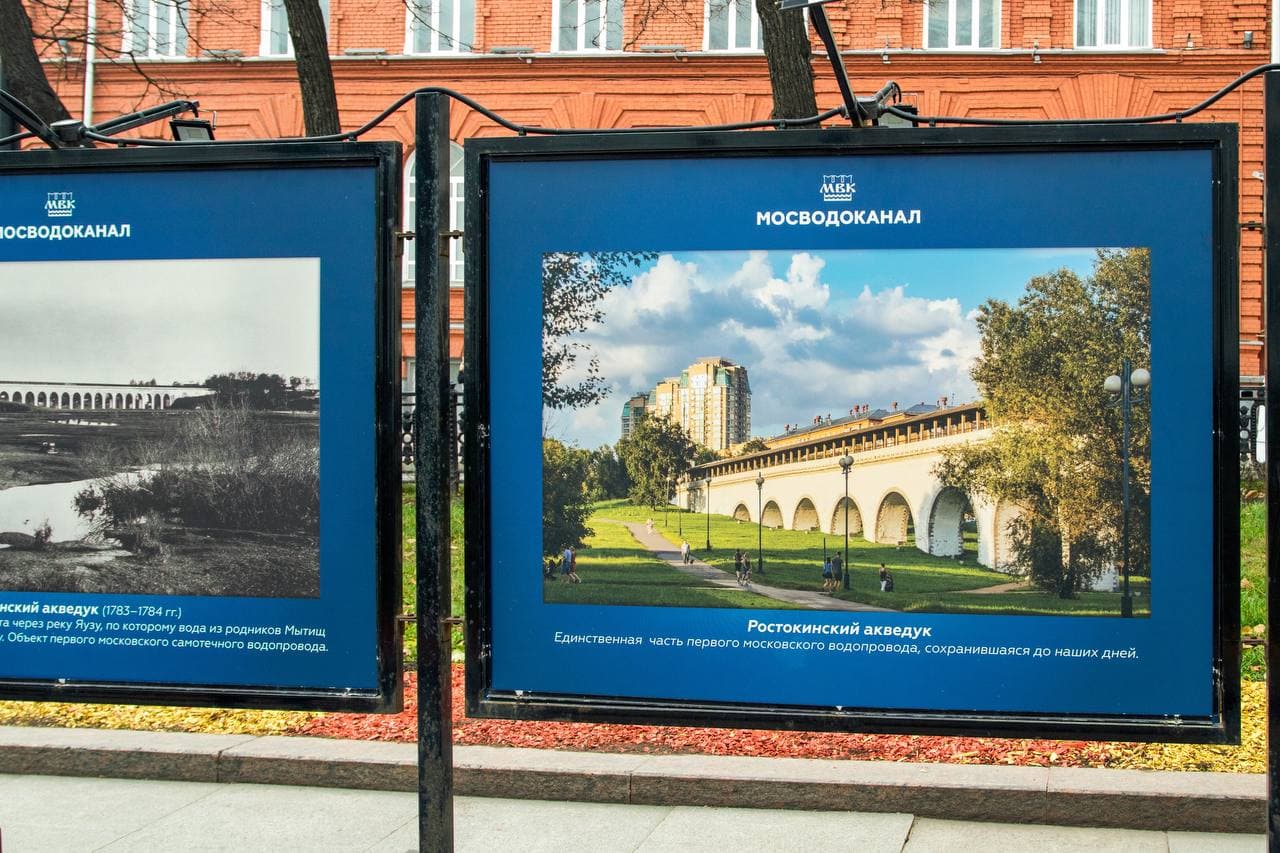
431, 421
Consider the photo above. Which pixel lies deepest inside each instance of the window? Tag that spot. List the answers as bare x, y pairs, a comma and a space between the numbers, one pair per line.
156, 27
275, 28
1113, 23
962, 24
440, 26
581, 25
456, 204
732, 25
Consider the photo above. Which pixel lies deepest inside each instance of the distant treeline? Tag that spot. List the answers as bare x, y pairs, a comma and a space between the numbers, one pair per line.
263, 391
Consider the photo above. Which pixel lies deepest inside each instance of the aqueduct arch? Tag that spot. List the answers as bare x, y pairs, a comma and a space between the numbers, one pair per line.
951, 508
741, 513
894, 525
806, 516
838, 517
771, 517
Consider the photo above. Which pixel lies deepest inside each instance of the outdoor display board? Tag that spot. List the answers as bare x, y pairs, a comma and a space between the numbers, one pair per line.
882, 430
198, 426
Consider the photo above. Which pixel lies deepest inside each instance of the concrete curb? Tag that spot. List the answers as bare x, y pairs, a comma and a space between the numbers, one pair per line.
1121, 799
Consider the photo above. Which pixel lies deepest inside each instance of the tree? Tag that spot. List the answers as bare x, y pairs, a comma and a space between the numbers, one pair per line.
786, 49
24, 77
606, 475
61, 25
565, 504
573, 283
1056, 451
753, 445
315, 74
655, 454
785, 38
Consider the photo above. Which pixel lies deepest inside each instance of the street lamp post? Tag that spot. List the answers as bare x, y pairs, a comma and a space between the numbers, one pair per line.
708, 499
1124, 385
846, 462
680, 514
760, 523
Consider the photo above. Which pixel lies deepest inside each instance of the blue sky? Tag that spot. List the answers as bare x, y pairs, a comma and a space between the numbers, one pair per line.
819, 331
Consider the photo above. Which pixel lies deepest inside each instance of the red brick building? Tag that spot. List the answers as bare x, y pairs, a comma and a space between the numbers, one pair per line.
606, 63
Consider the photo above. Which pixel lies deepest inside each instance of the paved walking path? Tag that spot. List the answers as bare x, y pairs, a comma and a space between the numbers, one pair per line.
47, 813
998, 588
665, 551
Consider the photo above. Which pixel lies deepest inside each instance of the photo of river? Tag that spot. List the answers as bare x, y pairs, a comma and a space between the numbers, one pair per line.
159, 427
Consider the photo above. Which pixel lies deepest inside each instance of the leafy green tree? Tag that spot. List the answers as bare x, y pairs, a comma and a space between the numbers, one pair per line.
565, 503
1056, 449
753, 445
655, 454
606, 475
573, 283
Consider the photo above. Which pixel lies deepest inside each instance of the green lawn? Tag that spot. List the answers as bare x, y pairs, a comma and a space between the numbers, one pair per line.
919, 580
409, 585
922, 583
616, 570
1253, 583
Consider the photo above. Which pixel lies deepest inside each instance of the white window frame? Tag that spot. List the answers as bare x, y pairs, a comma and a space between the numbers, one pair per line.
429, 17
457, 209
264, 42
598, 41
1100, 27
731, 12
974, 27
179, 18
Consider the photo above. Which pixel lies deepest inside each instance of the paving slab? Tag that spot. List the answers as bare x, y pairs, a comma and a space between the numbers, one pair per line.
693, 828
71, 814
1215, 842
278, 818
946, 836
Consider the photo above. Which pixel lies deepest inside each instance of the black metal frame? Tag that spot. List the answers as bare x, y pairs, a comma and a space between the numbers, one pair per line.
384, 159
1222, 726
1271, 297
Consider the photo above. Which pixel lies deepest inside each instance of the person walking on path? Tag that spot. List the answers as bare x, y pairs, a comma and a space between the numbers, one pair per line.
737, 564
837, 569
684, 551
745, 577
884, 577
573, 565
826, 575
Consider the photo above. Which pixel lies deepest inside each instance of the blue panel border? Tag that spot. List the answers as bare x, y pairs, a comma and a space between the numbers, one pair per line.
335, 202
1024, 187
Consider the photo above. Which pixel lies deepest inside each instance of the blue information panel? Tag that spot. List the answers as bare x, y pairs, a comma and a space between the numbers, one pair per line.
914, 430
198, 493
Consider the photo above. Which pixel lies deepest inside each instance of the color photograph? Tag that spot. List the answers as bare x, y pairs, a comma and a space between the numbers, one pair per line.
934, 431
159, 427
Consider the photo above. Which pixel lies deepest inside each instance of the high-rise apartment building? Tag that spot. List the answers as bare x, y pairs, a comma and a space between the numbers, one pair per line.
632, 411
711, 399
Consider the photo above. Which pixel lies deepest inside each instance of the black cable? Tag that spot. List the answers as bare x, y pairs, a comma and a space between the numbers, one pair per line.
1011, 122
521, 129
17, 137
524, 130
28, 118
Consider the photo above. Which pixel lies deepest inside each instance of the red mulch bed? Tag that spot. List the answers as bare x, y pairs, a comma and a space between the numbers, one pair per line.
705, 741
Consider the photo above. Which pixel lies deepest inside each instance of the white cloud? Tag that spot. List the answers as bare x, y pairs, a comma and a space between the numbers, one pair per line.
808, 350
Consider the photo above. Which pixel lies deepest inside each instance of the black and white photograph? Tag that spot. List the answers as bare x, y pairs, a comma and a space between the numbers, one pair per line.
160, 427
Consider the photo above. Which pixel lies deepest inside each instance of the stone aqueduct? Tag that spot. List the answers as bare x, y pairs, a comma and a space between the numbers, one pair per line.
89, 396
891, 484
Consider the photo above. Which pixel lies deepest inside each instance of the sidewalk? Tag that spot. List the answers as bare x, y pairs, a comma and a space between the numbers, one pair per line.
787, 796
664, 550
50, 813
